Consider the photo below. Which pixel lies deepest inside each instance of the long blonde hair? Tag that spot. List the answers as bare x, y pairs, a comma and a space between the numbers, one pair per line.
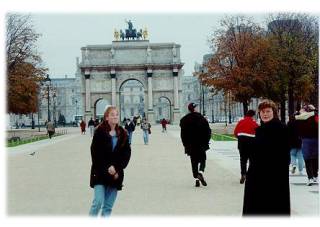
104, 125
108, 110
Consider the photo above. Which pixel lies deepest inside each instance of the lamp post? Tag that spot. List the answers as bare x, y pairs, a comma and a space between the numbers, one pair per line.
229, 102
76, 108
203, 111
48, 83
39, 102
76, 117
212, 110
54, 108
202, 94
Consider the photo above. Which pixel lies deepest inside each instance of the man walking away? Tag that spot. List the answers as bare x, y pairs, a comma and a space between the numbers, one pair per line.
195, 136
91, 126
245, 132
130, 127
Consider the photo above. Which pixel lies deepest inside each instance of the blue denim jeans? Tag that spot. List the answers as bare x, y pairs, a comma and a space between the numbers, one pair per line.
91, 130
104, 197
130, 136
296, 153
145, 136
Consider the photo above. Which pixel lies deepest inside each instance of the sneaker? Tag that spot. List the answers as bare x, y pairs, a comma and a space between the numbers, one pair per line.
200, 177
242, 179
309, 183
197, 183
315, 180
293, 169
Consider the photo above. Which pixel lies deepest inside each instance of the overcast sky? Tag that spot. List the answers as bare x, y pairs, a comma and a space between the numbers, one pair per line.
64, 34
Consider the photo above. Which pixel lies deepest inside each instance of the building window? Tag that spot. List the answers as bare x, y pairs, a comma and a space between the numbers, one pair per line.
160, 111
132, 111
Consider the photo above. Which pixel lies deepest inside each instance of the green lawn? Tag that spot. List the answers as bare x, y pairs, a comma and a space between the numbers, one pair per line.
223, 137
30, 140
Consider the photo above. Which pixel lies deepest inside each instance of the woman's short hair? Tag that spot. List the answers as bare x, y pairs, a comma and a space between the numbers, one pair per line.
267, 103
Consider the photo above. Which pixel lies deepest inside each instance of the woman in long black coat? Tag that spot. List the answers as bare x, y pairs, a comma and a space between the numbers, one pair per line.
267, 185
110, 153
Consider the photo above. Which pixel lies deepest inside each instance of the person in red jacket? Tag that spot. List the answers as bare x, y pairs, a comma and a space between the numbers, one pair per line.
164, 123
245, 132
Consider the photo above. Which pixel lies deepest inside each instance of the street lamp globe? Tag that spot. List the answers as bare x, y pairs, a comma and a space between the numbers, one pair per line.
47, 81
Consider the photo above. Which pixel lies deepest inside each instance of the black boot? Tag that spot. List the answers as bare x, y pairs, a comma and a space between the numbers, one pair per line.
242, 179
200, 177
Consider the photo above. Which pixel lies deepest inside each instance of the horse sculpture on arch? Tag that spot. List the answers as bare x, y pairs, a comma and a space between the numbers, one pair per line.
130, 33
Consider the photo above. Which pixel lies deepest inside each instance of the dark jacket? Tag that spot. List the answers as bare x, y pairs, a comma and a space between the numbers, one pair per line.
130, 127
294, 138
103, 157
195, 134
91, 123
267, 181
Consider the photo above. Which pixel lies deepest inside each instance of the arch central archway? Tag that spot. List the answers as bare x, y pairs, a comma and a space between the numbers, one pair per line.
131, 99
163, 109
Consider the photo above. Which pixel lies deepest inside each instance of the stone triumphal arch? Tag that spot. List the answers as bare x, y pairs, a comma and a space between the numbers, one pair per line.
104, 68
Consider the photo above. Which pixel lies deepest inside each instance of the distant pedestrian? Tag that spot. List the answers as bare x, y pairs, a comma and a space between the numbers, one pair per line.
91, 126
195, 136
130, 127
267, 182
146, 129
308, 126
50, 129
110, 154
164, 123
83, 127
138, 120
295, 146
134, 119
245, 131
